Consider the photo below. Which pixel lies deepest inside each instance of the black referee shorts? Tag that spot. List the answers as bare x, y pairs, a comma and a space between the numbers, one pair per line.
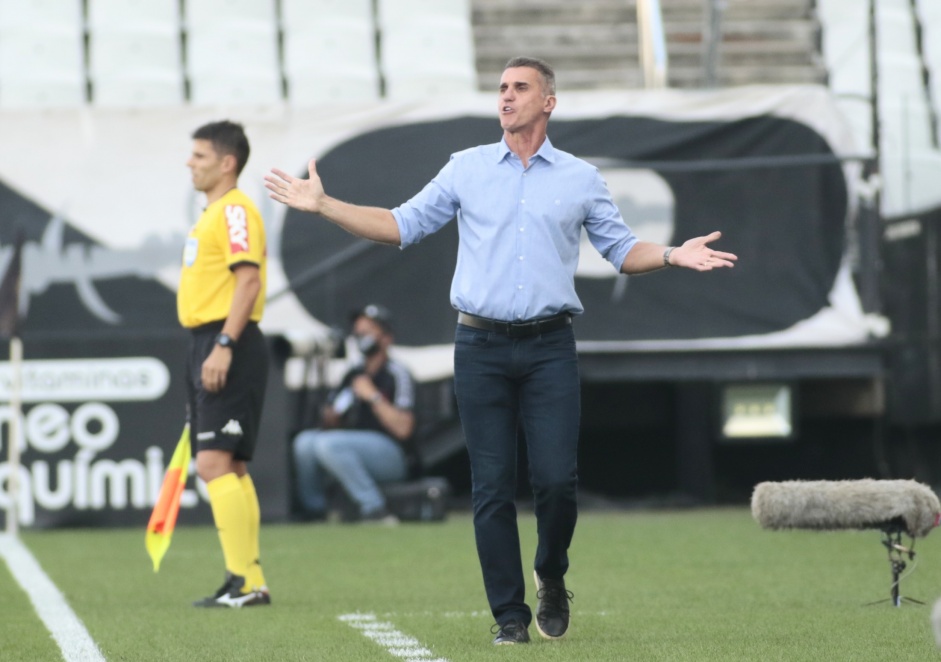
227, 420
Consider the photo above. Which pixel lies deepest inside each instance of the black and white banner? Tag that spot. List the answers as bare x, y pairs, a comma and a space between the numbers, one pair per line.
105, 202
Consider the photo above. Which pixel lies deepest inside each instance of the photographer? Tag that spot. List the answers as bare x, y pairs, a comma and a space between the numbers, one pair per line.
366, 427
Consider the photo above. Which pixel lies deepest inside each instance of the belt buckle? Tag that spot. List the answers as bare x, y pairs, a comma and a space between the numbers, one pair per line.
522, 329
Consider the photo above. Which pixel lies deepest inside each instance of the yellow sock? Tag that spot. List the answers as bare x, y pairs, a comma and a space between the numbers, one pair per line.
230, 512
253, 576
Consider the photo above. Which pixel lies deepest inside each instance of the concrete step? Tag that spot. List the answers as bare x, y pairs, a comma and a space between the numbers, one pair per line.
801, 31
558, 12
691, 77
783, 53
574, 78
490, 12
594, 43
741, 9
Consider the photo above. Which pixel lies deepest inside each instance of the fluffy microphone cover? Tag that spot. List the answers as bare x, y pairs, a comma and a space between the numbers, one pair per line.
847, 504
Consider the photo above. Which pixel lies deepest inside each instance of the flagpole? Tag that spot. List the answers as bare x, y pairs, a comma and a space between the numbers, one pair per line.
13, 450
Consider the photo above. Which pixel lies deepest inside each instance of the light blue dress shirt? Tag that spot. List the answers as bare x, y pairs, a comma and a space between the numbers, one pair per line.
520, 228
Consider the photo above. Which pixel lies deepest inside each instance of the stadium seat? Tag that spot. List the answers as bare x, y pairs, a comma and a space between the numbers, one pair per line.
41, 14
246, 87
42, 91
911, 181
229, 48
895, 31
905, 125
304, 15
124, 15
900, 74
28, 51
846, 54
200, 14
929, 11
138, 90
428, 56
41, 67
334, 61
931, 35
233, 63
393, 13
429, 84
144, 49
858, 113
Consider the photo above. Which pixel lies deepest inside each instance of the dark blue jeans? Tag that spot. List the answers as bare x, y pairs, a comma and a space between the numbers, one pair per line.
505, 386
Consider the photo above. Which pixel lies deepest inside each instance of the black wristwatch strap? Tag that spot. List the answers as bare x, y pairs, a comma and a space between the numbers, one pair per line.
225, 340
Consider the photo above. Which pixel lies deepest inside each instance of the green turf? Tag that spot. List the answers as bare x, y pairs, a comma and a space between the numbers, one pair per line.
694, 585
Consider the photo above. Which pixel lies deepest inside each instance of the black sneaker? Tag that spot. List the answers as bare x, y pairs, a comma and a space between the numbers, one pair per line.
511, 632
552, 613
230, 594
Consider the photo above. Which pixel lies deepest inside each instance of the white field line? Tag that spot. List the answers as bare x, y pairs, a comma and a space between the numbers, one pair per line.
66, 628
384, 633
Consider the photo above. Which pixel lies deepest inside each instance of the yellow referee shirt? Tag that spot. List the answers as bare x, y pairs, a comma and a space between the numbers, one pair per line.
229, 232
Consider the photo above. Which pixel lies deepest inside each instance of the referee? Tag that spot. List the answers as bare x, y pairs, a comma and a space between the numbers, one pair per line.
221, 299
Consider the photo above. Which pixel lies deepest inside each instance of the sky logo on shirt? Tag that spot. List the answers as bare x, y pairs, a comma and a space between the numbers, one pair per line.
237, 221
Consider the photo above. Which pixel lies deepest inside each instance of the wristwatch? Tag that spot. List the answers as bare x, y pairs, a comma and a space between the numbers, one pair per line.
225, 340
666, 256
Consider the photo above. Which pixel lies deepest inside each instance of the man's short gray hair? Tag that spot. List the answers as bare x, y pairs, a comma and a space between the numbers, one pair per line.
548, 75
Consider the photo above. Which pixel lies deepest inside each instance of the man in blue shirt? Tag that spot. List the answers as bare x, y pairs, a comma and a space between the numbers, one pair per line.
520, 206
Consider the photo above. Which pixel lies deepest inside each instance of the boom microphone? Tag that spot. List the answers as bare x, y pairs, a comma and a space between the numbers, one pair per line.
892, 505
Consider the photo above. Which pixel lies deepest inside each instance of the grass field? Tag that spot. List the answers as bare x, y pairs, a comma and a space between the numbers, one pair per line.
682, 585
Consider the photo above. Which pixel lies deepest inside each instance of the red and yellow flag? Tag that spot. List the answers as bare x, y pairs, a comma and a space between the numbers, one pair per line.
163, 519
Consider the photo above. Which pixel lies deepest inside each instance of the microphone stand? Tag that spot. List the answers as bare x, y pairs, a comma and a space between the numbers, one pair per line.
892, 541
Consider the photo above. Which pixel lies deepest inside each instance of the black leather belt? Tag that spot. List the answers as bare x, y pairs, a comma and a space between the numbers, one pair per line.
517, 329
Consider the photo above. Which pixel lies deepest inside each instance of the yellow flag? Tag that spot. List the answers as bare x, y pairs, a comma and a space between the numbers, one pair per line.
163, 519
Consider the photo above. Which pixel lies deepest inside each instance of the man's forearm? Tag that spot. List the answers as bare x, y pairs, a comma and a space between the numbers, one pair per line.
373, 223
247, 289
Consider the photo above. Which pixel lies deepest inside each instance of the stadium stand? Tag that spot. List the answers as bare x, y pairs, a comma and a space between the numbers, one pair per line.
232, 54
593, 45
120, 15
139, 66
135, 56
904, 97
142, 53
235, 62
427, 47
41, 54
329, 51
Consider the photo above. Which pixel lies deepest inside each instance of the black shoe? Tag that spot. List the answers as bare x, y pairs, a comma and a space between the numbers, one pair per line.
308, 516
511, 632
552, 613
230, 594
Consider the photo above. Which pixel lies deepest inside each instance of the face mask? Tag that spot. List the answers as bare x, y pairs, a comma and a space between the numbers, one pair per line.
368, 345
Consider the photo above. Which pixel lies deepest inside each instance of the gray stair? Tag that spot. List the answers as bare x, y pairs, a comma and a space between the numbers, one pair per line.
592, 44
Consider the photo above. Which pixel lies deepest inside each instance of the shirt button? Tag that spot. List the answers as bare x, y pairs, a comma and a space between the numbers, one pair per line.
521, 257
523, 201
519, 287
521, 229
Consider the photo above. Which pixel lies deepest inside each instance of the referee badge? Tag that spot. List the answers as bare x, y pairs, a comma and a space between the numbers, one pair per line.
189, 251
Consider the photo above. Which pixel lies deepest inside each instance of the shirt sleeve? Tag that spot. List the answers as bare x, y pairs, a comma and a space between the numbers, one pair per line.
430, 209
244, 235
606, 229
404, 386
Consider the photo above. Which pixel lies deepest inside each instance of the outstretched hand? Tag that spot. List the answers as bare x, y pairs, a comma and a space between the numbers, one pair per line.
695, 254
301, 194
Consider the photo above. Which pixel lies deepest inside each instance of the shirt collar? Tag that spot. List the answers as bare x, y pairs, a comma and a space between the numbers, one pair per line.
546, 151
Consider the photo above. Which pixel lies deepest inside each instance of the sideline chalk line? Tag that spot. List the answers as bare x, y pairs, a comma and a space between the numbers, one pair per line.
50, 605
384, 633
